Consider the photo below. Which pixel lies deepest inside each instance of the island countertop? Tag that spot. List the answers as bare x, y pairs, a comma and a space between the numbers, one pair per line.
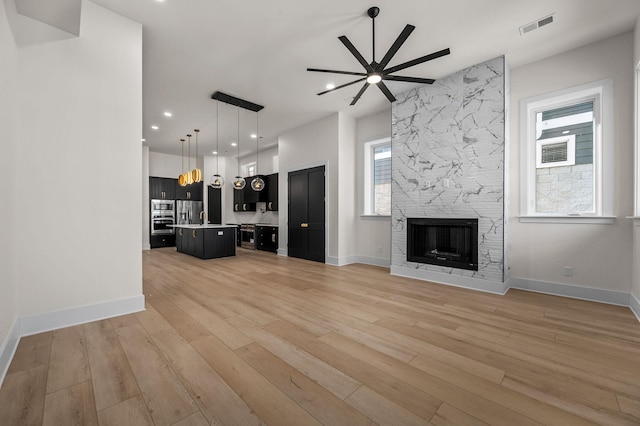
203, 226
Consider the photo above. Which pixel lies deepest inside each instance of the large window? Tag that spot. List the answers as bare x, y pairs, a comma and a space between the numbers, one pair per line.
565, 136
377, 178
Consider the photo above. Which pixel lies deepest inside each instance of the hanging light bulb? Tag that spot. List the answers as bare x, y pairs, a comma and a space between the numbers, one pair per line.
196, 174
257, 184
238, 181
182, 179
217, 181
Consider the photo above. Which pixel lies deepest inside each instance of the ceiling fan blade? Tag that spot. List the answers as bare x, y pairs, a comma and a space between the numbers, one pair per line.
408, 79
342, 85
406, 32
355, 99
355, 53
336, 72
383, 87
417, 61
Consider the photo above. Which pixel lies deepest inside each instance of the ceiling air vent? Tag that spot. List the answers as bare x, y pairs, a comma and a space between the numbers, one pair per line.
537, 24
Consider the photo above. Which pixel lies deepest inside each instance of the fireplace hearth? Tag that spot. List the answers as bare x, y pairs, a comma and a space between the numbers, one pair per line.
443, 242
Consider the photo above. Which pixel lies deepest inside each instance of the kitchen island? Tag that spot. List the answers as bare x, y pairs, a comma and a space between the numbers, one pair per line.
208, 241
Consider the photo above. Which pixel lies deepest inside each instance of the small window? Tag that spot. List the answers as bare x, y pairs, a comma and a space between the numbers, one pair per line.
377, 178
251, 169
556, 152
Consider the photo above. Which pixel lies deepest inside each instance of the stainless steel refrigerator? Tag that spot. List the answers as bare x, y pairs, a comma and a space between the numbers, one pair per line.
188, 212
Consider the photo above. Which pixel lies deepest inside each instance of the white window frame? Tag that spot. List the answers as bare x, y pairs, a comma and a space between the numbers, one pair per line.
570, 140
369, 187
601, 92
248, 166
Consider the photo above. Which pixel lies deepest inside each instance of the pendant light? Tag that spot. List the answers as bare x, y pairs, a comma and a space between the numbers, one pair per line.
196, 174
257, 184
217, 181
188, 177
182, 178
238, 181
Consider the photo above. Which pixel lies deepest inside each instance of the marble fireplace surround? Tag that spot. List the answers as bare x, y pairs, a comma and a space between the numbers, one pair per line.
448, 161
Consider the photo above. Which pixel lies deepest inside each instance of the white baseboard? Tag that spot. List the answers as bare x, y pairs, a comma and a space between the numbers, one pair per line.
585, 293
634, 305
282, 252
453, 280
340, 261
146, 247
373, 261
40, 323
8, 349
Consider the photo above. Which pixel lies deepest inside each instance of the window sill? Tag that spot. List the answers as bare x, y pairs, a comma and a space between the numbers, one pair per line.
375, 216
600, 220
635, 219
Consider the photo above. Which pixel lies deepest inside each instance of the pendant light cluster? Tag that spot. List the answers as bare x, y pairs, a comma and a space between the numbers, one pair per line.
217, 181
190, 176
238, 183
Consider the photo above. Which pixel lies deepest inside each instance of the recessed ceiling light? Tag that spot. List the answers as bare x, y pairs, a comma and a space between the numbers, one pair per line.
330, 86
155, 127
144, 140
167, 114
566, 132
253, 136
234, 144
214, 152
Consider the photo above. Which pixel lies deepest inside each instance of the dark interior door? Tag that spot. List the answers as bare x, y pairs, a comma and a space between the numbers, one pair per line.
306, 214
214, 205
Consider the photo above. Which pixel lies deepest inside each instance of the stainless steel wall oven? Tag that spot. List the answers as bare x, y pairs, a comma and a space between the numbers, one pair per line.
163, 217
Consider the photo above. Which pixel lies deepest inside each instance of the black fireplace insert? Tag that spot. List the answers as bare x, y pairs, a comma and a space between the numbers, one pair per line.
444, 242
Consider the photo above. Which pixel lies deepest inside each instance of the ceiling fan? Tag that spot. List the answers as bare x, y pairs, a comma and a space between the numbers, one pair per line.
377, 71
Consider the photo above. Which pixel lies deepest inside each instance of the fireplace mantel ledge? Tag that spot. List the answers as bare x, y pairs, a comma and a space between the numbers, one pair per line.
600, 220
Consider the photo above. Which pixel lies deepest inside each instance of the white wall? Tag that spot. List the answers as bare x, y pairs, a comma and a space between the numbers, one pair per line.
347, 189
146, 219
166, 165
311, 145
635, 290
77, 201
8, 123
600, 254
373, 241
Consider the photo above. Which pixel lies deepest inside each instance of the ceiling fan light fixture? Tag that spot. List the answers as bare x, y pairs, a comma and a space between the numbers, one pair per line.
374, 78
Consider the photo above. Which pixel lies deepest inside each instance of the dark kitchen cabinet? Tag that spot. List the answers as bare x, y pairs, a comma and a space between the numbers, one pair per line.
191, 192
162, 188
239, 202
214, 204
207, 243
272, 192
157, 241
267, 238
180, 239
251, 196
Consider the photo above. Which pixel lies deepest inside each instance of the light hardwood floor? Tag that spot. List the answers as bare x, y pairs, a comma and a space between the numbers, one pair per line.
263, 339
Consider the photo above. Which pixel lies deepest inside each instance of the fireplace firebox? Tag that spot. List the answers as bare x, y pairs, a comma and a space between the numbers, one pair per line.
444, 242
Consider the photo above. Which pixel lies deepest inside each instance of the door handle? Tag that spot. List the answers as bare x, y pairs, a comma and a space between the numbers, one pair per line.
193, 234
304, 225
270, 205
181, 231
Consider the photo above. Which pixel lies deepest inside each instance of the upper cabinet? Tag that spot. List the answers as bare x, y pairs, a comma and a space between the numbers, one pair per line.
162, 188
272, 192
239, 202
191, 192
251, 196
